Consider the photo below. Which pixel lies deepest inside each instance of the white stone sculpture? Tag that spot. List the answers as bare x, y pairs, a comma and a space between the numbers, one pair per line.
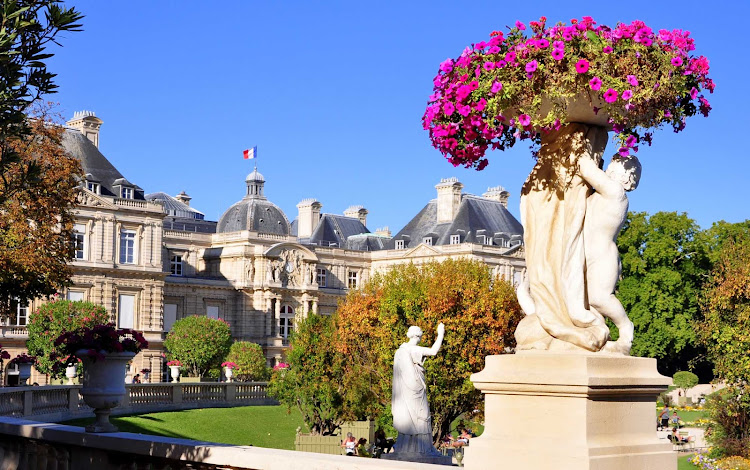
411, 410
572, 212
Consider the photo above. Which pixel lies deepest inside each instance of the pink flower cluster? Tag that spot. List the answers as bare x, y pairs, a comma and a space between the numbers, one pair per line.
229, 365
485, 98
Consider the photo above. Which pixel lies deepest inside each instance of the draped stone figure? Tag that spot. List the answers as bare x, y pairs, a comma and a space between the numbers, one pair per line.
572, 212
411, 410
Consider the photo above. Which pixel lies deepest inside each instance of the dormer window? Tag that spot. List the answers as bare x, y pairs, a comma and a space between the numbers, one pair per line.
399, 244
93, 187
427, 241
126, 193
455, 239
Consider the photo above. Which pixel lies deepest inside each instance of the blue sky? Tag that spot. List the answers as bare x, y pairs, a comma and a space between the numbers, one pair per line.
332, 94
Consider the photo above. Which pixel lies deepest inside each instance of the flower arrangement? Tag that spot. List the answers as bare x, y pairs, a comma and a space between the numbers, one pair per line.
520, 86
174, 363
101, 339
229, 365
23, 358
3, 354
281, 366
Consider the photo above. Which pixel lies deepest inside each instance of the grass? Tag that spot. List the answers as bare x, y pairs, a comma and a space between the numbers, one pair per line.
687, 415
260, 426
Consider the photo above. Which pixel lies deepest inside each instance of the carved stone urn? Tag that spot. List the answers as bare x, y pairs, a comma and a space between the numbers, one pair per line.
24, 372
174, 372
70, 373
228, 373
104, 385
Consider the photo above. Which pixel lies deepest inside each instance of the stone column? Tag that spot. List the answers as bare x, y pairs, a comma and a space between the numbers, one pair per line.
569, 411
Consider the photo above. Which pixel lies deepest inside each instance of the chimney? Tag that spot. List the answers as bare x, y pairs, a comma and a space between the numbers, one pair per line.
497, 193
357, 212
183, 198
383, 232
308, 218
448, 199
87, 124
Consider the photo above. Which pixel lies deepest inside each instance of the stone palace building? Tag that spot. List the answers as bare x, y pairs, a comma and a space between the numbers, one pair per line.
151, 259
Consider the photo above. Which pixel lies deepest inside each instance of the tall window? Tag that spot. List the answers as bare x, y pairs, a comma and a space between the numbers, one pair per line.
399, 244
127, 246
353, 279
93, 187
321, 274
170, 316
126, 311
455, 239
19, 314
127, 193
79, 240
175, 265
286, 322
212, 311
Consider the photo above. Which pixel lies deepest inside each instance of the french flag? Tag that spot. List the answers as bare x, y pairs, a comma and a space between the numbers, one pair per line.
249, 154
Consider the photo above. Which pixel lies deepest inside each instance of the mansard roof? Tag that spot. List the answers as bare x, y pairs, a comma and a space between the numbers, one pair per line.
257, 214
475, 216
174, 207
95, 164
335, 230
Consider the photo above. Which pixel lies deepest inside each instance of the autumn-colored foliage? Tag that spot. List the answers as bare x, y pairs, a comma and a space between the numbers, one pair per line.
38, 192
480, 314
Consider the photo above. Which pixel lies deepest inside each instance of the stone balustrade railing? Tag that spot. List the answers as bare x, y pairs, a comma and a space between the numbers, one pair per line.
28, 444
64, 402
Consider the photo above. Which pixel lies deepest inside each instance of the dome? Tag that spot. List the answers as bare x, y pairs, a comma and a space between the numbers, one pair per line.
255, 176
255, 214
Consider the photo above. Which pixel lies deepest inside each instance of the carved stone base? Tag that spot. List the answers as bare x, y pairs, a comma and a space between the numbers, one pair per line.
569, 411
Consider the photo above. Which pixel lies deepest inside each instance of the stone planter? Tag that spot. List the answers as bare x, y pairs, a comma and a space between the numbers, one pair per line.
104, 386
24, 373
71, 373
580, 109
174, 372
228, 373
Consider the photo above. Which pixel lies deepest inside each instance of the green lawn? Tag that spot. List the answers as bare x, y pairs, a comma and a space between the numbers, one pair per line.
261, 426
687, 415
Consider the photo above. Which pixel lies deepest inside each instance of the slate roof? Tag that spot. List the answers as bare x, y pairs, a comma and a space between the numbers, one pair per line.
175, 207
95, 164
256, 214
335, 230
476, 218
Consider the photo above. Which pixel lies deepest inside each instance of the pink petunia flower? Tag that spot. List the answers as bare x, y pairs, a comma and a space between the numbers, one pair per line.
448, 108
524, 120
624, 151
464, 110
582, 66
542, 44
677, 61
447, 66
532, 66
693, 93
496, 87
558, 45
627, 94
558, 54
632, 80
595, 83
607, 49
520, 26
489, 66
631, 141
500, 64
610, 96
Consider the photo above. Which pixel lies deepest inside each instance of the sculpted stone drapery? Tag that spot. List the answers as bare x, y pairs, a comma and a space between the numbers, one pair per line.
571, 212
411, 411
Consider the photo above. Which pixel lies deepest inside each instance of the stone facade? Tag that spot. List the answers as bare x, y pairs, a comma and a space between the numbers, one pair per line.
150, 260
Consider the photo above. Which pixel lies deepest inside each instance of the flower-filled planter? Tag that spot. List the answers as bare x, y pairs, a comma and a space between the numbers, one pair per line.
228, 368
105, 352
24, 363
174, 369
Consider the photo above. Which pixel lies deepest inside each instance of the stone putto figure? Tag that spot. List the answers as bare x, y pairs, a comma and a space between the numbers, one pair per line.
411, 411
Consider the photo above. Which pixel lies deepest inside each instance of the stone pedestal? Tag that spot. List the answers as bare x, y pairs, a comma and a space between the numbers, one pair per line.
569, 411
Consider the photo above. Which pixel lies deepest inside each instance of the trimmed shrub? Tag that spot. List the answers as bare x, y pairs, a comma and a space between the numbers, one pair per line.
250, 360
199, 343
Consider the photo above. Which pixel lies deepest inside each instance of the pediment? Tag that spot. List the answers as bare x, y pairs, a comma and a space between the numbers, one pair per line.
89, 199
420, 251
279, 248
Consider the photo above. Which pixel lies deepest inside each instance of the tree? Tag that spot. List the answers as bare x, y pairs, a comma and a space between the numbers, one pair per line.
685, 380
35, 176
199, 343
36, 244
480, 314
725, 326
250, 360
313, 383
53, 319
664, 264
